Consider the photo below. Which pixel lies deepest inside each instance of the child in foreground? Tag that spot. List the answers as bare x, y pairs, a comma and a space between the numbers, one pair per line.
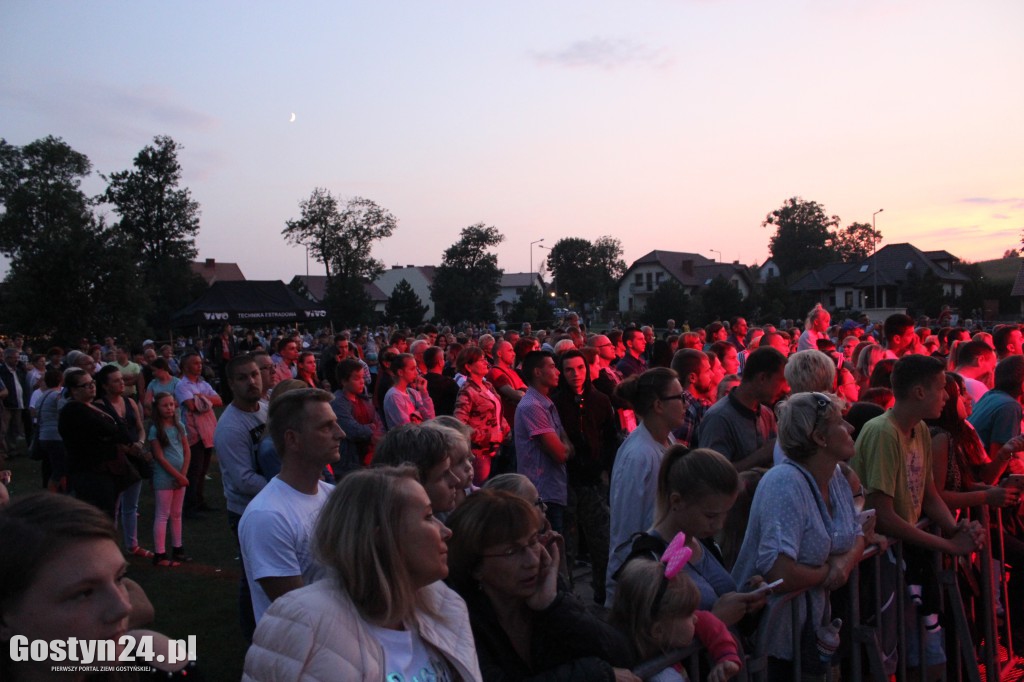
656, 607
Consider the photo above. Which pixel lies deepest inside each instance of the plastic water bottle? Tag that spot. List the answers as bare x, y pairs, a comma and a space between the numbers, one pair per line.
828, 640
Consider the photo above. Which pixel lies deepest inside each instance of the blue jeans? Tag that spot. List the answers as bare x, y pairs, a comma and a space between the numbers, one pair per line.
129, 503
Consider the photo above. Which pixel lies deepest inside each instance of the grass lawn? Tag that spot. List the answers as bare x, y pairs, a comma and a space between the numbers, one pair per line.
199, 598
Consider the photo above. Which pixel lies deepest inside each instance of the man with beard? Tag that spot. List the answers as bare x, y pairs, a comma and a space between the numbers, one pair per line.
236, 438
694, 370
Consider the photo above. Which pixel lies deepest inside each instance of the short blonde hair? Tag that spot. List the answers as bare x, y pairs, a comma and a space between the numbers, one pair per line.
799, 420
357, 535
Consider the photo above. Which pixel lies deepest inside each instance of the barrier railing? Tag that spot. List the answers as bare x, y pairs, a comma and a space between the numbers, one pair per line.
865, 636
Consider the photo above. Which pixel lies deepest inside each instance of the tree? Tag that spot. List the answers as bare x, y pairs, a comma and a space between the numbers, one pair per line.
668, 302
586, 271
1010, 253
801, 236
855, 242
773, 301
404, 307
922, 293
468, 279
68, 276
531, 306
341, 238
158, 225
720, 300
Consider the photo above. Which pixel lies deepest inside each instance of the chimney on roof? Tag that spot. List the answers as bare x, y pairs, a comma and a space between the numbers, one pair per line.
396, 267
211, 262
735, 262
410, 266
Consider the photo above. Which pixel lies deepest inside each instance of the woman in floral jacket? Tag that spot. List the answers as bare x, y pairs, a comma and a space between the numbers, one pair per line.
479, 406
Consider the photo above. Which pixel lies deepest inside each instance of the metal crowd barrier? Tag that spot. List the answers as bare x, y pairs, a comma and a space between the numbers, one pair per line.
864, 634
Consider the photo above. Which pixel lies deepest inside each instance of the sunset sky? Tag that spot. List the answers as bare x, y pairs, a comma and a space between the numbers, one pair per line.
669, 124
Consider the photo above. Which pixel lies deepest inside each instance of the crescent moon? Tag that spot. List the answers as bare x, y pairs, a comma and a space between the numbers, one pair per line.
292, 119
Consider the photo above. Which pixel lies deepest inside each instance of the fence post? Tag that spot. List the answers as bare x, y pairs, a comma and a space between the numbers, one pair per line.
988, 599
901, 613
1004, 586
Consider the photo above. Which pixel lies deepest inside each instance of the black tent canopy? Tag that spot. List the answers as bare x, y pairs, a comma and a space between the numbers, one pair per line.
249, 302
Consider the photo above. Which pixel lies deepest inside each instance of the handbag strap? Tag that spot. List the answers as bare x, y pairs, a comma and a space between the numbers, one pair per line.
826, 614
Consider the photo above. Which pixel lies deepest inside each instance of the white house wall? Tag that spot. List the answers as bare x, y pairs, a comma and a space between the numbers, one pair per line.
628, 289
390, 279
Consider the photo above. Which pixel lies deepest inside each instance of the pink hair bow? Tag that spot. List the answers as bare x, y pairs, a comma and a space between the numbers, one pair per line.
676, 555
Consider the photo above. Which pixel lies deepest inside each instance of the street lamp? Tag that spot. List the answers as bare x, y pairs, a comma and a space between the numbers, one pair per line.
874, 255
718, 252
537, 241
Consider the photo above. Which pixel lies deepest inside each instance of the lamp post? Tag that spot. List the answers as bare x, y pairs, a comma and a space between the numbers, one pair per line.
874, 254
718, 252
537, 241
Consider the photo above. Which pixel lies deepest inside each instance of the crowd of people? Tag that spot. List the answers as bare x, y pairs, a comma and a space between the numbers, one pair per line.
431, 493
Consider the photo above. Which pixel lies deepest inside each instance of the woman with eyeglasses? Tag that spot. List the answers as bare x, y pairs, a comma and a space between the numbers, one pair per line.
91, 439
812, 541
526, 624
657, 399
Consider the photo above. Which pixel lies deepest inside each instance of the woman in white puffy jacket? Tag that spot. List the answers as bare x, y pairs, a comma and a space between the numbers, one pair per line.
382, 613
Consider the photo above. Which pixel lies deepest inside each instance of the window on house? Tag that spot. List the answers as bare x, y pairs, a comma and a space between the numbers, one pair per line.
639, 279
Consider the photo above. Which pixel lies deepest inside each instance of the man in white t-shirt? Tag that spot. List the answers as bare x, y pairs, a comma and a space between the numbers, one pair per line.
976, 363
277, 527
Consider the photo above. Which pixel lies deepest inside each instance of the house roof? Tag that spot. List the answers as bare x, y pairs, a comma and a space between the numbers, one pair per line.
314, 287
212, 271
939, 255
426, 270
705, 273
374, 292
679, 264
690, 269
520, 279
821, 279
895, 262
